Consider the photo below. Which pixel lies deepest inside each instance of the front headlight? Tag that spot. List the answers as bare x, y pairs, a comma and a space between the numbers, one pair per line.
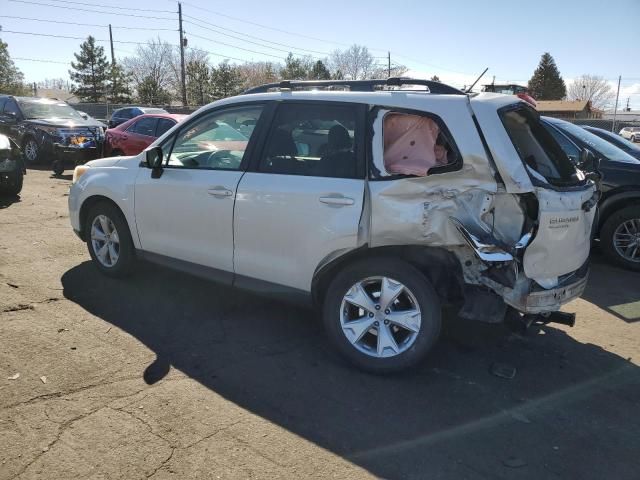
78, 172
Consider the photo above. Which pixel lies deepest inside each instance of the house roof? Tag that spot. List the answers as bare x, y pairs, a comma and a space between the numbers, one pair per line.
562, 105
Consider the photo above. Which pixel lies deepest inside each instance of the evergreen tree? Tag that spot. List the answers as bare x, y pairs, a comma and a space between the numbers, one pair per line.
11, 78
319, 71
435, 78
294, 69
198, 82
119, 85
150, 92
90, 71
226, 80
546, 82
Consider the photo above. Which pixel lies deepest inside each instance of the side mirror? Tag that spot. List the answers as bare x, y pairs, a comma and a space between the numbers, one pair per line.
83, 115
153, 160
590, 164
9, 117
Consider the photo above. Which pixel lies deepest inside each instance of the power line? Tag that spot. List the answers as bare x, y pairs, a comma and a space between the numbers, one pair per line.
87, 24
39, 60
73, 38
94, 11
127, 8
249, 36
234, 46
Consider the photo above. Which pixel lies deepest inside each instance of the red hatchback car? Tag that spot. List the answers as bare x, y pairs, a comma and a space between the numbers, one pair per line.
133, 136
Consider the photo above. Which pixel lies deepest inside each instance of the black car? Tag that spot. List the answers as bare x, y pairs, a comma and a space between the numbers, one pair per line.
12, 168
123, 114
618, 224
50, 131
620, 142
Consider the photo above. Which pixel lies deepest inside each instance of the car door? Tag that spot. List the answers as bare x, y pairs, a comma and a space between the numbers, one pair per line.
187, 213
139, 135
302, 200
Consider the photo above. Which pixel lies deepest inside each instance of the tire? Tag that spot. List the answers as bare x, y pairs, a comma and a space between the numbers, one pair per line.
122, 247
633, 138
14, 189
58, 167
31, 151
363, 349
621, 225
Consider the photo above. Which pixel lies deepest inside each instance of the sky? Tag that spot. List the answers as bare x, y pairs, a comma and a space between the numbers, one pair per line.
455, 40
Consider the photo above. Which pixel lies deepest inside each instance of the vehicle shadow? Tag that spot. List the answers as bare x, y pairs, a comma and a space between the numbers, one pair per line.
617, 295
8, 200
568, 412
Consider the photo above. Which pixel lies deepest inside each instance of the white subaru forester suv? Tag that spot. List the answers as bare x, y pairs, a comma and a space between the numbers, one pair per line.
376, 203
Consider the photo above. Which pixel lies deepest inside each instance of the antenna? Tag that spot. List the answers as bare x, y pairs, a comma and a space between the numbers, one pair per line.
477, 80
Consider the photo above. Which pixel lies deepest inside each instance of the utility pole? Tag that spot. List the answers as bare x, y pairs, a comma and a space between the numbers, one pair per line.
615, 111
389, 65
182, 74
113, 70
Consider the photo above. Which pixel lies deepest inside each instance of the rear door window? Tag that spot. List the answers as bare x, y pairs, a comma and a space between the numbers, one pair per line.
164, 124
144, 126
540, 152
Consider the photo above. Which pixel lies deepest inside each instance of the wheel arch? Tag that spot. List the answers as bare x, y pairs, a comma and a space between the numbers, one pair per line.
439, 265
615, 202
88, 204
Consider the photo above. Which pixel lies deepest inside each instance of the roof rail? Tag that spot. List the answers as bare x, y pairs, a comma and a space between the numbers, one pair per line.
358, 85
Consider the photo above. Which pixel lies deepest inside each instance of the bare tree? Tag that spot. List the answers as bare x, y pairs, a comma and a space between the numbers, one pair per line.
593, 88
258, 73
192, 56
354, 63
151, 69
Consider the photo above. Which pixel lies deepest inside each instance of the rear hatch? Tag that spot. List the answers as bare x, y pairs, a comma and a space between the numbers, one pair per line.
530, 161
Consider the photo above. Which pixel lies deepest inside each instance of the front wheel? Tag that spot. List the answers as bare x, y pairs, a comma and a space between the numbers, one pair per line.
15, 187
109, 240
58, 167
620, 237
382, 314
31, 151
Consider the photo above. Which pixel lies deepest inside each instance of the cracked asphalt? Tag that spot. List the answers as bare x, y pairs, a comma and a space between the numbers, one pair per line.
167, 376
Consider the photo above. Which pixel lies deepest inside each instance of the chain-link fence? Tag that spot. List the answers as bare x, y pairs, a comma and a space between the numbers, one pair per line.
605, 124
103, 111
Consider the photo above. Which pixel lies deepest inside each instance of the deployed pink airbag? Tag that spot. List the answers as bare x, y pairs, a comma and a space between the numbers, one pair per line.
409, 142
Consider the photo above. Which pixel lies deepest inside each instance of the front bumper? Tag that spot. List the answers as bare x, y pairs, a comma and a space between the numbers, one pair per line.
77, 154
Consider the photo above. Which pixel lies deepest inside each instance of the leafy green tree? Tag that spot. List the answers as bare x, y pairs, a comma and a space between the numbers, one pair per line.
150, 92
119, 85
546, 82
11, 78
226, 80
294, 68
199, 88
90, 71
319, 71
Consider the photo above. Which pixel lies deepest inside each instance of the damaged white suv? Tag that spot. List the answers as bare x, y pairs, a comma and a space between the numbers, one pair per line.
377, 203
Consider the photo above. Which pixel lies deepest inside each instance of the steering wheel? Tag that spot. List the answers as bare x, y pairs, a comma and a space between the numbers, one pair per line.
221, 159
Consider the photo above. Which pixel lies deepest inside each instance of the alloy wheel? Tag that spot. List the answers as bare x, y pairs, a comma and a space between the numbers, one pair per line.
31, 151
105, 240
626, 240
380, 317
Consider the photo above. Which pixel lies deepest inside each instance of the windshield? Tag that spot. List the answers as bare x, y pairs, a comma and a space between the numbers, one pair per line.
615, 139
154, 110
43, 108
601, 146
540, 152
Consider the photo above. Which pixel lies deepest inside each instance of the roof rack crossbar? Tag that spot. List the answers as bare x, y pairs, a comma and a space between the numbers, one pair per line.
358, 85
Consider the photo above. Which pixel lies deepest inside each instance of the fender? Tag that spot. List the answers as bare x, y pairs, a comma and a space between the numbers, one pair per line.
616, 199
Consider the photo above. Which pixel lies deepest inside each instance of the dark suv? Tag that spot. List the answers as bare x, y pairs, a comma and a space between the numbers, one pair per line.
125, 114
50, 130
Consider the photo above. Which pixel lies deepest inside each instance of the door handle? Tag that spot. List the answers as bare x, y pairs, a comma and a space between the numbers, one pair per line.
338, 200
220, 192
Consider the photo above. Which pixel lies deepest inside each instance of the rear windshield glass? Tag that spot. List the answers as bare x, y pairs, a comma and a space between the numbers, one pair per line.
537, 148
600, 145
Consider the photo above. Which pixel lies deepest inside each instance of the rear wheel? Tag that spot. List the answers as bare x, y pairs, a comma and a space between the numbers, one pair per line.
620, 237
31, 151
382, 314
109, 240
58, 167
16, 187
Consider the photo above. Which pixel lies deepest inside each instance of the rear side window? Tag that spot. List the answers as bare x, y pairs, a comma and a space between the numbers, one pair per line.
2, 102
164, 124
312, 140
144, 126
537, 148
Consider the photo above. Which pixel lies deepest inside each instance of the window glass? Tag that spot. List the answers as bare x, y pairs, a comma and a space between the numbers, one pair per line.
2, 102
11, 106
312, 140
572, 151
537, 148
144, 126
215, 140
164, 124
415, 145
